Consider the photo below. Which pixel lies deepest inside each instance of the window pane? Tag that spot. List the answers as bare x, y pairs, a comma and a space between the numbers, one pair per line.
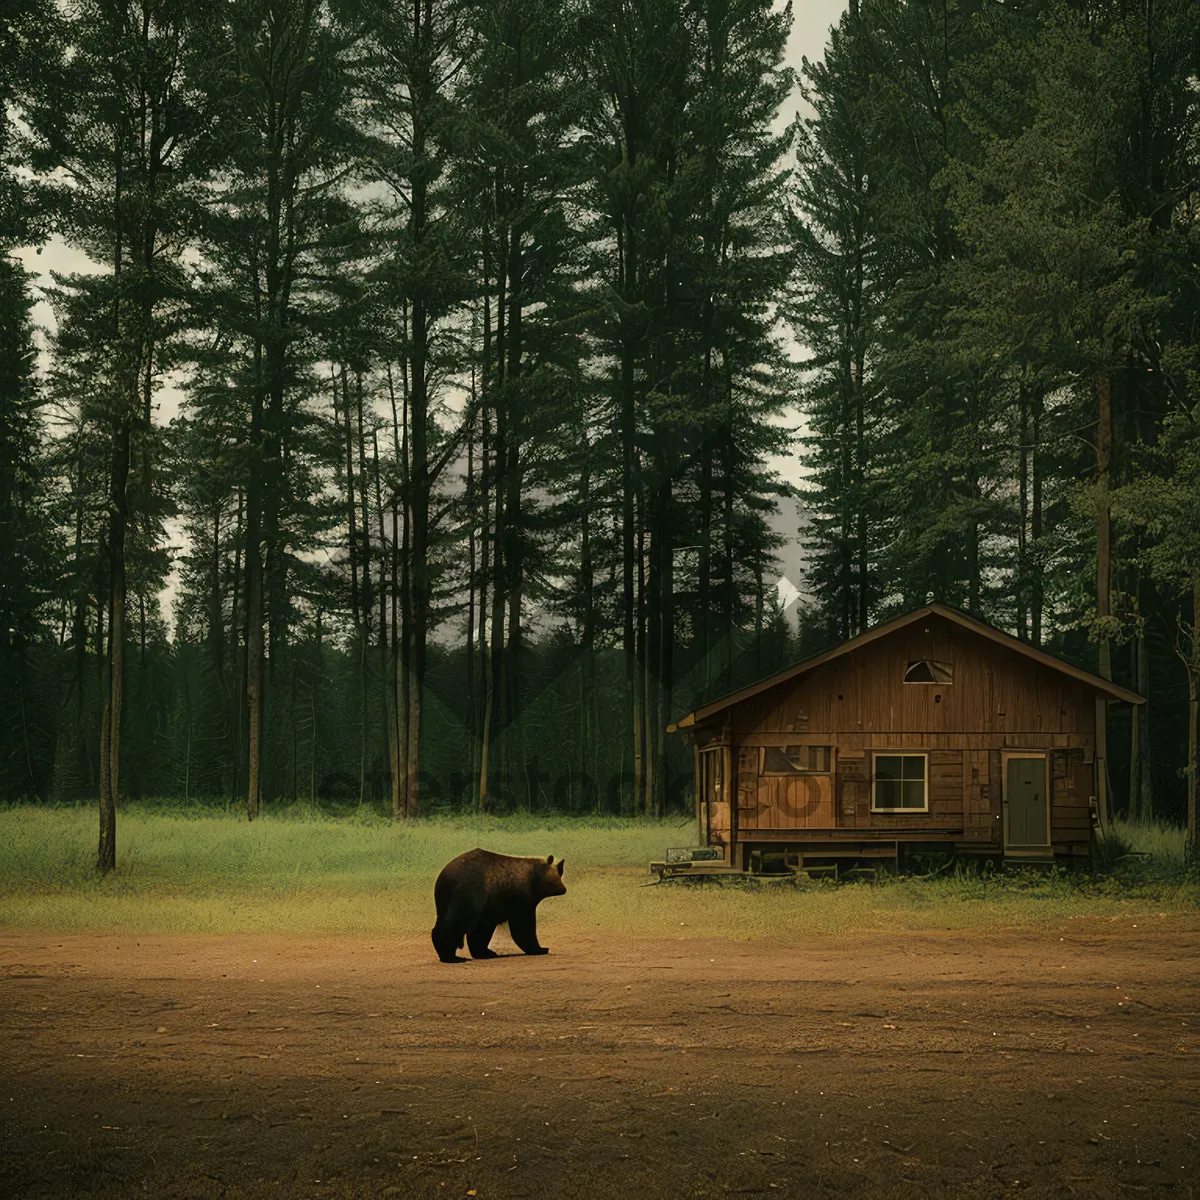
888, 766
795, 760
775, 762
887, 793
914, 793
914, 766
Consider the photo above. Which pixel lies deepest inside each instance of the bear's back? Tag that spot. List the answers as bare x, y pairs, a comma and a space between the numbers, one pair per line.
492, 873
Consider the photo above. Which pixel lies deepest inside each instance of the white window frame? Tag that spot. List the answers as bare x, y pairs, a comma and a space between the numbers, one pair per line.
924, 754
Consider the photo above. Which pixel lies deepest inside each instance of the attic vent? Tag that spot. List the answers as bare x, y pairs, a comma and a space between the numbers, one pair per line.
925, 670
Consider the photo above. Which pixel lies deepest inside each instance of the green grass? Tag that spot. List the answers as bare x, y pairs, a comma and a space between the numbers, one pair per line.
1163, 845
202, 871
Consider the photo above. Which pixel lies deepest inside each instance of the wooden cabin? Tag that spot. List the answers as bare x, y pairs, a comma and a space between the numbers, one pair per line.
932, 731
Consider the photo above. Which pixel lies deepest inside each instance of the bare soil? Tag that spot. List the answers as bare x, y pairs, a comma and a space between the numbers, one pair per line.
1056, 1063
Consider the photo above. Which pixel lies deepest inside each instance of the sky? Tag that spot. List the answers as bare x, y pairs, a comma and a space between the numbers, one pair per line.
811, 21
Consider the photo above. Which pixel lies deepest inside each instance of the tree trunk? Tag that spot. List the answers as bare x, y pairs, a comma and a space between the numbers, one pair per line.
1141, 715
1022, 516
239, 657
1104, 435
255, 648
110, 728
80, 631
472, 729
354, 549
404, 661
1104, 555
398, 738
1193, 831
705, 566
216, 616
419, 545
368, 599
730, 594
666, 651
485, 673
1134, 794
392, 668
860, 499
497, 694
514, 565
254, 656
587, 622
628, 428
639, 678
1036, 577
387, 695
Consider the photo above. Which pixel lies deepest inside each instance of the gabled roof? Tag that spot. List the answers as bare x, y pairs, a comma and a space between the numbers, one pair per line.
941, 610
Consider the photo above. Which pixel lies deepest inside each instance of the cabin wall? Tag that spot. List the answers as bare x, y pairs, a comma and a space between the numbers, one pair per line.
858, 703
994, 691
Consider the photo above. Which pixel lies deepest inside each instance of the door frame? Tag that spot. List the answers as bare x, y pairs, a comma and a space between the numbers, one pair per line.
710, 781
1005, 755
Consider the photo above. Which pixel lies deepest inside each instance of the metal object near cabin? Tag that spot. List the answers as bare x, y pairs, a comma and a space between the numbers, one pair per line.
678, 854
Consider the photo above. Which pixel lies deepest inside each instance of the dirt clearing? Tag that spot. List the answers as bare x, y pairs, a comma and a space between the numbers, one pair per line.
1058, 1062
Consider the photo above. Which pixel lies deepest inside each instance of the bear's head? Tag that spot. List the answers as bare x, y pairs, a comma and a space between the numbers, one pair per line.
549, 878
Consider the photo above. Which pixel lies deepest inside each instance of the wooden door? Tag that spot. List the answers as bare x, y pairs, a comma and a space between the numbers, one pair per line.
1026, 801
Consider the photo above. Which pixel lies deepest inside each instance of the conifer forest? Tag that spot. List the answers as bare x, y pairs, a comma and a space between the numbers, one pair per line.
434, 385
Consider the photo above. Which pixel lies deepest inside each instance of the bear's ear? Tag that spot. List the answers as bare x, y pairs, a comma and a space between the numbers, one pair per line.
560, 865
550, 860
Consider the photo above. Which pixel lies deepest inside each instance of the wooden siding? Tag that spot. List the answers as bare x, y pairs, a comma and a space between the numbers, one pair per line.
781, 801
1071, 789
980, 817
994, 691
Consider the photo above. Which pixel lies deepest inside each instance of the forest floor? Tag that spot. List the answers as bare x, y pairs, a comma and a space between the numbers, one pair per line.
1054, 1061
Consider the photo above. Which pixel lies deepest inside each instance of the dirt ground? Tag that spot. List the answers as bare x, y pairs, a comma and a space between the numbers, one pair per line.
1056, 1063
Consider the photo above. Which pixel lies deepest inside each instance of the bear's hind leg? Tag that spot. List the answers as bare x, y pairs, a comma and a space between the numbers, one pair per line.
452, 927
522, 926
443, 943
479, 938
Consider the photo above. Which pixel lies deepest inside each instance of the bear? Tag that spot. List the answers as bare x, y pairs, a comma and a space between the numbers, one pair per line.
479, 890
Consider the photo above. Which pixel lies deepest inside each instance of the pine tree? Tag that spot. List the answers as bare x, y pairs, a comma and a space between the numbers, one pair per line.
276, 78
124, 137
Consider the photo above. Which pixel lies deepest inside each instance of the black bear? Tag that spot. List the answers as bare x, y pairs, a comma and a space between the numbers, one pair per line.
479, 890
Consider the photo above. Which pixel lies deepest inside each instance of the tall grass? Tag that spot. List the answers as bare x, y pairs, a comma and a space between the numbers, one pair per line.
200, 871
1164, 846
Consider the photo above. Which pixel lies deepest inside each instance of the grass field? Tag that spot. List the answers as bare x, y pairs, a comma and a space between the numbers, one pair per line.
206, 872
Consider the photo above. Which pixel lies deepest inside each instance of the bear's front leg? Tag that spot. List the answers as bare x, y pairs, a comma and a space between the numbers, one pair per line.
522, 926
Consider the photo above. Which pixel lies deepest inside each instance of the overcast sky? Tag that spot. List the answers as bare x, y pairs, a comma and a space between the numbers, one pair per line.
811, 20
810, 31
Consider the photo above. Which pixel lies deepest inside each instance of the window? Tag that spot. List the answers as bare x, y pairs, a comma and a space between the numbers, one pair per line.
899, 783
925, 670
797, 760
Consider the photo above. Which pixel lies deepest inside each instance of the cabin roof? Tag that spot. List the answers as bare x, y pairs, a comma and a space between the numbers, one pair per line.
953, 615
